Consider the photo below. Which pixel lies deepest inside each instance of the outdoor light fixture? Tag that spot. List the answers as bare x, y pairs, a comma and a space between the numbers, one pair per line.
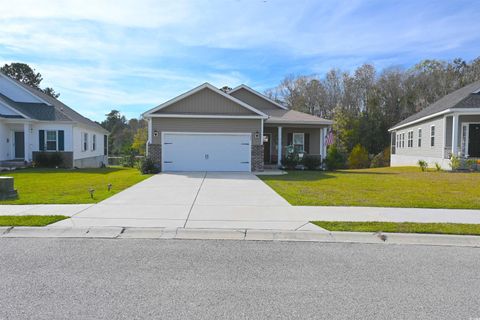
155, 133
257, 135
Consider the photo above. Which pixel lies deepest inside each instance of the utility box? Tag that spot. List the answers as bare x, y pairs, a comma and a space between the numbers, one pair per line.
7, 190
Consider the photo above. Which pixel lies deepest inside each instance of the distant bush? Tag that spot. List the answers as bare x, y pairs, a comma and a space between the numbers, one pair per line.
471, 164
48, 159
311, 162
147, 166
128, 160
358, 158
381, 159
423, 165
438, 167
335, 158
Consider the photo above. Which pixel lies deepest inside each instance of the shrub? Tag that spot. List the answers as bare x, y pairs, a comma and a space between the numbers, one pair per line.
128, 160
48, 159
381, 159
358, 158
335, 158
291, 161
423, 165
455, 163
147, 166
438, 167
471, 164
311, 162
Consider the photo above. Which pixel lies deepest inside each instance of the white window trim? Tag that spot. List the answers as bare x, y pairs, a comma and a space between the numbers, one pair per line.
46, 140
432, 136
410, 139
303, 140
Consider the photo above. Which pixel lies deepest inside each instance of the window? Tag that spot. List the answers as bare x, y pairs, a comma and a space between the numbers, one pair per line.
419, 137
432, 136
393, 144
403, 140
410, 139
299, 142
51, 141
94, 142
84, 141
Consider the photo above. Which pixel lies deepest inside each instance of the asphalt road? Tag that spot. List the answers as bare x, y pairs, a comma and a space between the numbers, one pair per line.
186, 279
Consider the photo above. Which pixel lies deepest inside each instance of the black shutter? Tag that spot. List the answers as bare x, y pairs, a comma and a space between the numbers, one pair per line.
105, 145
41, 140
307, 143
61, 140
289, 139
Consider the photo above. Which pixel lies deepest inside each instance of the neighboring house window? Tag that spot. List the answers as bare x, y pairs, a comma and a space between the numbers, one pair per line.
403, 140
94, 142
299, 142
410, 139
51, 140
393, 144
419, 138
84, 141
432, 136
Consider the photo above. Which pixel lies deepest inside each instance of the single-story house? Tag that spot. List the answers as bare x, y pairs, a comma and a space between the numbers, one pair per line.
33, 123
450, 126
207, 129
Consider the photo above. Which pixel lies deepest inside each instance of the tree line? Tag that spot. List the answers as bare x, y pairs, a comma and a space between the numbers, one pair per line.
365, 103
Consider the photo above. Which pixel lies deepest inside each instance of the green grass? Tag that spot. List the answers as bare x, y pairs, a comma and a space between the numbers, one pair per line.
379, 187
28, 221
47, 186
401, 227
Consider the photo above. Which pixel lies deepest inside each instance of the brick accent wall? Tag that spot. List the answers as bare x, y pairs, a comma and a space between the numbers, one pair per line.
257, 158
155, 153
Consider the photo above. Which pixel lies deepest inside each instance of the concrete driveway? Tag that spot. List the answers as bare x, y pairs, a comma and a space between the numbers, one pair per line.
193, 200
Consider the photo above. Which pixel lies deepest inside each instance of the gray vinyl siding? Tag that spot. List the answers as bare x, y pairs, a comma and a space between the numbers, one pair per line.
425, 150
206, 102
314, 143
253, 100
252, 126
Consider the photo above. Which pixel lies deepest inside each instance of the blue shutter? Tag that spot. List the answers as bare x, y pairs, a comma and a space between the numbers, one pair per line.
41, 140
61, 140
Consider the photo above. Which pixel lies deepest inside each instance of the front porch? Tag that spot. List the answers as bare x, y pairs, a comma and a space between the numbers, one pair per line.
306, 139
462, 136
16, 143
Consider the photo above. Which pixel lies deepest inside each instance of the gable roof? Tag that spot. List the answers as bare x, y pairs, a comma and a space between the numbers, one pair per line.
206, 85
245, 87
51, 110
294, 117
467, 97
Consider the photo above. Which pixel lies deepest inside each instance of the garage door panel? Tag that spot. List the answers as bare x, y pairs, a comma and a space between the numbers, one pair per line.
206, 152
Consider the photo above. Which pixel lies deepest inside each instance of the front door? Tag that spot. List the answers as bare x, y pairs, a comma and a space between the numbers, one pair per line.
267, 143
19, 145
474, 140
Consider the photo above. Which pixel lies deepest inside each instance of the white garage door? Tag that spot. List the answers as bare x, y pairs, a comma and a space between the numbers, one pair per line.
206, 152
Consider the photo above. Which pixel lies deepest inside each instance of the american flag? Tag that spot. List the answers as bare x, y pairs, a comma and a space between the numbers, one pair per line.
329, 137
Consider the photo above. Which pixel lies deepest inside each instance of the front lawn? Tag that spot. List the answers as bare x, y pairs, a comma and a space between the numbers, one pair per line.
50, 186
401, 227
29, 221
380, 187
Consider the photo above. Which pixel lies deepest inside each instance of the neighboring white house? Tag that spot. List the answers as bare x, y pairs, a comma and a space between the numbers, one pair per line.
33, 122
450, 126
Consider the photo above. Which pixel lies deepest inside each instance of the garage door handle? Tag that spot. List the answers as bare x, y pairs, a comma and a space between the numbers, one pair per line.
206, 157
245, 143
246, 162
167, 161
168, 143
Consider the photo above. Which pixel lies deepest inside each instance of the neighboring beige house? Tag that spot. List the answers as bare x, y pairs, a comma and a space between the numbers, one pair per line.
450, 126
32, 122
206, 129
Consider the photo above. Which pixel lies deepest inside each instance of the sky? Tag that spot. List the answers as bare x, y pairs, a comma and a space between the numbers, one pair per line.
132, 55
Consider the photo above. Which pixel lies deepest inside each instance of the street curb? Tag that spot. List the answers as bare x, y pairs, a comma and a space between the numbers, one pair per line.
241, 234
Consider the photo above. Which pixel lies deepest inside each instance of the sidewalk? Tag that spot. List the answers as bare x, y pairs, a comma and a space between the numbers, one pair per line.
319, 235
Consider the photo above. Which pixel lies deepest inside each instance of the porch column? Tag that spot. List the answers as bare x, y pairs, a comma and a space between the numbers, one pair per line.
26, 137
454, 135
279, 147
324, 136
322, 141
